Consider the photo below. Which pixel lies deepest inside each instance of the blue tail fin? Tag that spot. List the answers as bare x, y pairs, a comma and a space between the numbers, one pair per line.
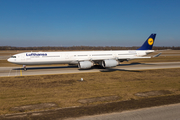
148, 44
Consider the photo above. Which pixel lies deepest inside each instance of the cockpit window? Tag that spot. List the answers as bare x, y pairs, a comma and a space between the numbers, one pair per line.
13, 56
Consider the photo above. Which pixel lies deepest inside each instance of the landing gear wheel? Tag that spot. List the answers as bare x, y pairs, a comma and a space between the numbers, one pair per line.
24, 66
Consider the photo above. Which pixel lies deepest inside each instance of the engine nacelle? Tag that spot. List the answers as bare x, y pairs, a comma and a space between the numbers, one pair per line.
85, 64
109, 63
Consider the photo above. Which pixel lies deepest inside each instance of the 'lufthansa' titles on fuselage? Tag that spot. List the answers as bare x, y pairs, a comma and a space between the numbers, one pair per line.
36, 54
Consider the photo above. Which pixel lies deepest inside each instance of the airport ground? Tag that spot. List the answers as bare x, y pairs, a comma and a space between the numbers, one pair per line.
137, 84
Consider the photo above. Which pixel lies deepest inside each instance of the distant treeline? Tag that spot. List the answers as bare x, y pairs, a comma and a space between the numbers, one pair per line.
83, 48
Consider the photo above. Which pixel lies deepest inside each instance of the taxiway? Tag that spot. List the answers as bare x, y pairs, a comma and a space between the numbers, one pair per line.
167, 112
44, 70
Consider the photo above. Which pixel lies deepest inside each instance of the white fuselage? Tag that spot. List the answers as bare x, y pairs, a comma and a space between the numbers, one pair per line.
84, 59
37, 58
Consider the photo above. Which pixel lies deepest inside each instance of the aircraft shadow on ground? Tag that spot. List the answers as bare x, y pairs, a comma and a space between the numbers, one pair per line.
113, 70
94, 67
135, 63
54, 67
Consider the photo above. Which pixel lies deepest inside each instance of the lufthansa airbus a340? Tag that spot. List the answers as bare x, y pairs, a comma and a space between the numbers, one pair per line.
84, 59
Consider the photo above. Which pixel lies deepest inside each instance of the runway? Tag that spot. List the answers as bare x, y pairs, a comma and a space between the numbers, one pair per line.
44, 70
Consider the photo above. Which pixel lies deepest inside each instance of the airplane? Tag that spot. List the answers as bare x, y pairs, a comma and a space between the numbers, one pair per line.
85, 59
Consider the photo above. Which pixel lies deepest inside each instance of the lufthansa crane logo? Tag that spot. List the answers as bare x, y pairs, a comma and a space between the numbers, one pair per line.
150, 41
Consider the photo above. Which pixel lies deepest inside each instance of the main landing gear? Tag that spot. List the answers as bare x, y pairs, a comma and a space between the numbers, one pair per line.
24, 66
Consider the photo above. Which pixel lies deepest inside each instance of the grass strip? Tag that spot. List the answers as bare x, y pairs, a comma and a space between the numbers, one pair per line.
66, 89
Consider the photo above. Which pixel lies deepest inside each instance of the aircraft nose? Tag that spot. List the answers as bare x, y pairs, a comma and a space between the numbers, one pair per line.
9, 60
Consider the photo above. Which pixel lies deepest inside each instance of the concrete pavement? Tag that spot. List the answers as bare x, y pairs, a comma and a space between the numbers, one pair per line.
44, 70
167, 112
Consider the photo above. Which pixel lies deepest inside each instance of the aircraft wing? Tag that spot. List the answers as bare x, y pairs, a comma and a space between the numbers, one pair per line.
131, 58
120, 58
136, 57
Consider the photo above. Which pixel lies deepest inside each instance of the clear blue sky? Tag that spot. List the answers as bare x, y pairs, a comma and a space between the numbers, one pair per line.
89, 22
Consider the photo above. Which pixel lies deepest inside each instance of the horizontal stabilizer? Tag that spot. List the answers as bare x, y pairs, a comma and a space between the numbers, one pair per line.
157, 55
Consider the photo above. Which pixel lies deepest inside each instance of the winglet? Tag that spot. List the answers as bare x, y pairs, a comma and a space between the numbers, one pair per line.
148, 44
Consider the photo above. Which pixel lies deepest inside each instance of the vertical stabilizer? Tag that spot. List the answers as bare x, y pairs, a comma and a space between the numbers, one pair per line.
148, 44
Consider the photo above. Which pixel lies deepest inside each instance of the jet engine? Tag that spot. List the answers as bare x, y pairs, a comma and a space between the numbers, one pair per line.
85, 64
109, 63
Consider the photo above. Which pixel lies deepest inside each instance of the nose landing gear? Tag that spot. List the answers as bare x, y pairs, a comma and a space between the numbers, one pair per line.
24, 66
